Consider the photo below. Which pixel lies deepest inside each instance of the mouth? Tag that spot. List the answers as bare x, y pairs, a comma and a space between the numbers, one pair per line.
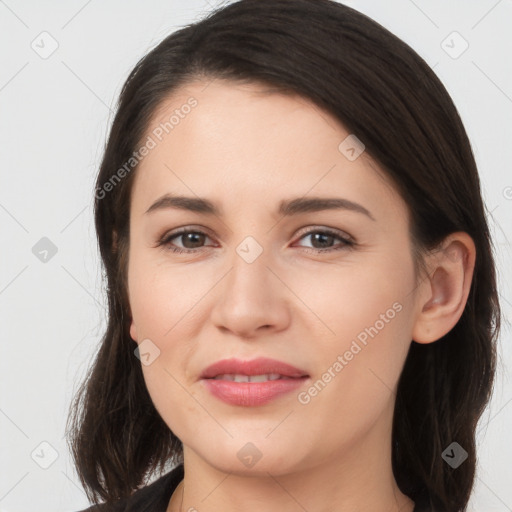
251, 383
255, 370
239, 377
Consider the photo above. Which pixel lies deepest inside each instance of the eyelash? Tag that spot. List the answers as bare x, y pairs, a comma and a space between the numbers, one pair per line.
165, 240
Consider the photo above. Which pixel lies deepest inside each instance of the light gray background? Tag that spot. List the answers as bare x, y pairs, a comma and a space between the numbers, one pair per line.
54, 116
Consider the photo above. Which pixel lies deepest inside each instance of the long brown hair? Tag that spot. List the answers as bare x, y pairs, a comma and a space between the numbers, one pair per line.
386, 95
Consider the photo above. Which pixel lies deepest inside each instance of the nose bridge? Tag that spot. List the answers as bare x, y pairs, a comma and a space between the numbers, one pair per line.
250, 296
249, 278
254, 254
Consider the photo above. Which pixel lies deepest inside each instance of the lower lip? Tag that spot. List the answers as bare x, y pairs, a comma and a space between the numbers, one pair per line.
251, 394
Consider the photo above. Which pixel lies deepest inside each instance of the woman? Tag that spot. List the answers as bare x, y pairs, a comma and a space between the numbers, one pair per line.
302, 295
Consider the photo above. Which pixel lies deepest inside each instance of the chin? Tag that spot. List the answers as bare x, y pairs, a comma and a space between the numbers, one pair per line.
256, 457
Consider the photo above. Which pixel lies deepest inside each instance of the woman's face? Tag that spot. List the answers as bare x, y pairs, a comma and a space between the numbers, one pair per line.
329, 290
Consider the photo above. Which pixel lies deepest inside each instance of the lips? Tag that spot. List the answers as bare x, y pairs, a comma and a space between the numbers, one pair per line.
251, 383
259, 366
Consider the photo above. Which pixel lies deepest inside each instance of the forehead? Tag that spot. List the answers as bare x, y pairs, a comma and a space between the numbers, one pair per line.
219, 136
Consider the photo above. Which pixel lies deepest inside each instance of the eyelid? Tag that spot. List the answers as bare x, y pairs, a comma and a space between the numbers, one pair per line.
347, 240
303, 231
174, 233
325, 229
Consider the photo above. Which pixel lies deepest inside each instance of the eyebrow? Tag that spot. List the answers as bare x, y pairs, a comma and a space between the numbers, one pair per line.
286, 208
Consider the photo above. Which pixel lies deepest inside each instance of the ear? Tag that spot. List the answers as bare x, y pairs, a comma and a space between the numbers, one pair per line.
443, 293
133, 331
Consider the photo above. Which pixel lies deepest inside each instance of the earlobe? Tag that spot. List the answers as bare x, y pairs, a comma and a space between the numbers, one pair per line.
133, 331
446, 288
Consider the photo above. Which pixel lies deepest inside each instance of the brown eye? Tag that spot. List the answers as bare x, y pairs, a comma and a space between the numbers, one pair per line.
193, 240
322, 240
190, 240
325, 240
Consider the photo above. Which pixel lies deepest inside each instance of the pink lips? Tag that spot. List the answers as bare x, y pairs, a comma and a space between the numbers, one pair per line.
259, 366
251, 393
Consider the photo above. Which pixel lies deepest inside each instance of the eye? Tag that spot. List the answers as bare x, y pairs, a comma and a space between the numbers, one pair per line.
192, 240
324, 237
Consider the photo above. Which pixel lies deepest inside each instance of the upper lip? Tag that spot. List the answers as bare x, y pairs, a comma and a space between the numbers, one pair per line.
259, 366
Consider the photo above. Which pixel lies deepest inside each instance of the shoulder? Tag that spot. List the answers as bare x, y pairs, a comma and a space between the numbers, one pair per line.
154, 497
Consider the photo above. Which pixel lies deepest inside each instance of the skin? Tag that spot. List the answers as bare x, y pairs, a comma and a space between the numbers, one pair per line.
246, 150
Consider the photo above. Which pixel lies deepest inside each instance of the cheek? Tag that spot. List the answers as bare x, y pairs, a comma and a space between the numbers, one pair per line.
356, 380
361, 301
159, 301
164, 302
370, 310
162, 297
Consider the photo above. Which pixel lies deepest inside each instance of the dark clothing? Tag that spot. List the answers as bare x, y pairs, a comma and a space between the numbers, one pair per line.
155, 497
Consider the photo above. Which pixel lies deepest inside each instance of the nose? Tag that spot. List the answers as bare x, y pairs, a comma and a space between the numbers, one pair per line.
251, 299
